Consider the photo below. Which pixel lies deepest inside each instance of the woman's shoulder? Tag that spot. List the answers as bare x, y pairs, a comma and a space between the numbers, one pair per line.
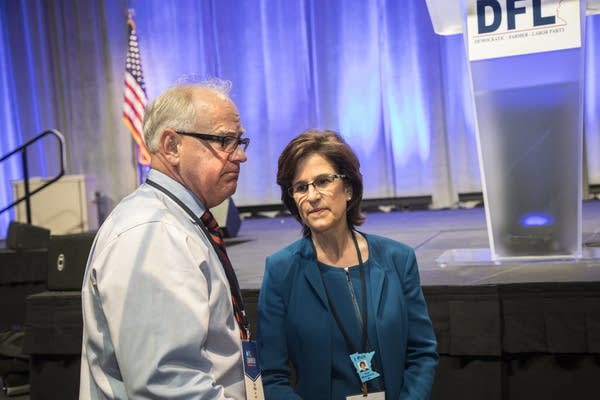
289, 248
288, 253
282, 267
386, 244
391, 254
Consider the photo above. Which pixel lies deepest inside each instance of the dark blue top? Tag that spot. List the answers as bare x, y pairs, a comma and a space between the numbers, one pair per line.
344, 379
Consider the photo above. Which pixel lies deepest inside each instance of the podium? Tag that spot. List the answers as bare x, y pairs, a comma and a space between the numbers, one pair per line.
526, 67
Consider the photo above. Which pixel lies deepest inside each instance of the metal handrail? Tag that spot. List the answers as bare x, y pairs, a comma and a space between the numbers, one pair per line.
23, 150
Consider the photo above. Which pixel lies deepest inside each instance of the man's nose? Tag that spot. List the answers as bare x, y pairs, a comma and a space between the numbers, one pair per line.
239, 154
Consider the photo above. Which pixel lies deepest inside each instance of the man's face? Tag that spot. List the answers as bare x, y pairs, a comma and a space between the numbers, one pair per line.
208, 171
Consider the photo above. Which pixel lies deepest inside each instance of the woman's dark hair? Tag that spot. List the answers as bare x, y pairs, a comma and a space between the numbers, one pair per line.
334, 148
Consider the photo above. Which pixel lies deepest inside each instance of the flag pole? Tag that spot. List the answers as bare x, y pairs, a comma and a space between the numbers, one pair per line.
135, 99
134, 148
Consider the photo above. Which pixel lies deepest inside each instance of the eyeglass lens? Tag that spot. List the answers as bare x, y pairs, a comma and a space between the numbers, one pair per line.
320, 183
231, 143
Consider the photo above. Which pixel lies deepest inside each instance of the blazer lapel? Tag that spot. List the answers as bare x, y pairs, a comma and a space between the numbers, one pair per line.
311, 272
319, 375
376, 280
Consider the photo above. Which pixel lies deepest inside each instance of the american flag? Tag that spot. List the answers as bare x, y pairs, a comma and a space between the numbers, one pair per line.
135, 93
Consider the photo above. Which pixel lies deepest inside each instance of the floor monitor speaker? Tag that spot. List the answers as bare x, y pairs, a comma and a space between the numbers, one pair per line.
22, 236
227, 217
67, 258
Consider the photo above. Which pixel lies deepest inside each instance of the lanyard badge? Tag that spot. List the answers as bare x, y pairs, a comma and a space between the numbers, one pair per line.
252, 377
362, 363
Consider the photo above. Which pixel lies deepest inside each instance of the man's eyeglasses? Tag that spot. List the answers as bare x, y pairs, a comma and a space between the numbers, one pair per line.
229, 143
320, 183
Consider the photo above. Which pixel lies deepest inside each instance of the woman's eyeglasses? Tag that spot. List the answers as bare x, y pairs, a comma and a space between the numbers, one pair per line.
320, 184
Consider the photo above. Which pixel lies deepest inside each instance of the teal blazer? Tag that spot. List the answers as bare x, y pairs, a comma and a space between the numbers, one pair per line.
294, 323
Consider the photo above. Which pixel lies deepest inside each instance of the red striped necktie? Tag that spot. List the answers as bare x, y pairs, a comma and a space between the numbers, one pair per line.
236, 296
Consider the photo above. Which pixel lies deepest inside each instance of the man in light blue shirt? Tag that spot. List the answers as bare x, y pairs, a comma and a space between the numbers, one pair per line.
159, 321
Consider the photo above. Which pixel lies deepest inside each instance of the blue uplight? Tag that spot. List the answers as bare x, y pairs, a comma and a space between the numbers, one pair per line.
536, 219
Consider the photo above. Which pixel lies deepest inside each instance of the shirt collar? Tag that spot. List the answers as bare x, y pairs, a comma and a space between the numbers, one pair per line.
180, 191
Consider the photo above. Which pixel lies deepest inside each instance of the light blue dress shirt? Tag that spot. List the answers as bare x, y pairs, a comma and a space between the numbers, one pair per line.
157, 312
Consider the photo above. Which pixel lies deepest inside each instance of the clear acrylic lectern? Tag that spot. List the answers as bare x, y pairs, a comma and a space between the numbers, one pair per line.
526, 67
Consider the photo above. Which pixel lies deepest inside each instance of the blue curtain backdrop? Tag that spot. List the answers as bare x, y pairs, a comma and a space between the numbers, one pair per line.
373, 70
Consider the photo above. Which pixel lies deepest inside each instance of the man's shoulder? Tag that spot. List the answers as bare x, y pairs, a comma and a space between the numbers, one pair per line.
140, 209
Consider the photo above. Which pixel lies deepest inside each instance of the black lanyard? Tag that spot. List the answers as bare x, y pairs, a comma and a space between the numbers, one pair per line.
363, 322
233, 283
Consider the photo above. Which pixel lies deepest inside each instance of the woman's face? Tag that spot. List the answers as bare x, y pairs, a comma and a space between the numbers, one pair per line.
324, 208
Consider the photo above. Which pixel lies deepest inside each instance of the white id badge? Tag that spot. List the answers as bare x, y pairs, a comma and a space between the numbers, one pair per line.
369, 396
252, 377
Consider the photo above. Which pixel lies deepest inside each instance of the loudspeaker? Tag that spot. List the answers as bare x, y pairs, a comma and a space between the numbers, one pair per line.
227, 217
53, 335
67, 257
25, 236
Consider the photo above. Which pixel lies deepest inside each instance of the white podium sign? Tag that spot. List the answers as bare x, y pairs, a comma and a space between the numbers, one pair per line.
500, 28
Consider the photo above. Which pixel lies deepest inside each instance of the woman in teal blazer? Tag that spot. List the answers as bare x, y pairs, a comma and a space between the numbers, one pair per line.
339, 297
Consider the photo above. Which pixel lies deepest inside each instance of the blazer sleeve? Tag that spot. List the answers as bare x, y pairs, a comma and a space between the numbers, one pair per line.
421, 357
271, 337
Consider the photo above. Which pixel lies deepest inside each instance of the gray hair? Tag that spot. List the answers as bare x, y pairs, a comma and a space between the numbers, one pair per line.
176, 108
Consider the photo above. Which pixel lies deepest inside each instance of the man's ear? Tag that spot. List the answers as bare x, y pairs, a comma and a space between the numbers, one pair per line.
170, 145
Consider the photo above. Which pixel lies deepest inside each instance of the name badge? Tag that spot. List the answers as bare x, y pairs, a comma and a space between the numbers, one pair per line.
362, 363
252, 376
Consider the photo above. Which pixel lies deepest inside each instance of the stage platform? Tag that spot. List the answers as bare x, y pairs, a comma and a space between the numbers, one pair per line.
519, 330
431, 233
527, 330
